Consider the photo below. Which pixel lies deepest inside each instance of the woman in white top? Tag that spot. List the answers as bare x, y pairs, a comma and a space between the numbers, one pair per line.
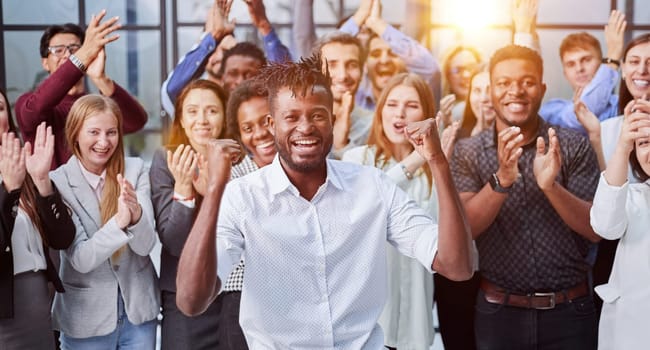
621, 210
33, 218
406, 319
111, 299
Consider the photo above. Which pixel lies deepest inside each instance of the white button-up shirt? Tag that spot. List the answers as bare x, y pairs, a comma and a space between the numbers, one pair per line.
316, 270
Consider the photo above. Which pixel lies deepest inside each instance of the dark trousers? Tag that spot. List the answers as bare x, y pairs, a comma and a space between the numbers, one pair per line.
570, 325
179, 332
455, 305
230, 333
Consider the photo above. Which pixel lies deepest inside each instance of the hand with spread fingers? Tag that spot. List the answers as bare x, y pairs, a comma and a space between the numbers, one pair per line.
38, 159
97, 36
587, 118
222, 154
12, 162
424, 137
342, 123
547, 164
446, 106
217, 23
182, 163
615, 36
524, 13
257, 11
509, 149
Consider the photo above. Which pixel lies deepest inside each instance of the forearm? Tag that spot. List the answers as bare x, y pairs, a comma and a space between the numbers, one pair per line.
572, 210
275, 50
616, 171
197, 283
86, 253
482, 208
454, 258
57, 222
134, 115
190, 66
597, 145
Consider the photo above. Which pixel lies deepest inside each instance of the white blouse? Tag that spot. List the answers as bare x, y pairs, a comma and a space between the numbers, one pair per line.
27, 245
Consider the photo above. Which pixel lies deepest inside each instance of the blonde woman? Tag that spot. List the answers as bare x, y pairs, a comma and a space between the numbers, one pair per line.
112, 297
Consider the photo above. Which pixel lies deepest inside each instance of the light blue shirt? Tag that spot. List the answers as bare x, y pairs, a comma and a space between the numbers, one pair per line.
316, 274
598, 96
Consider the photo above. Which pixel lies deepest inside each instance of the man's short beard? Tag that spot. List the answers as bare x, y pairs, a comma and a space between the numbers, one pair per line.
302, 167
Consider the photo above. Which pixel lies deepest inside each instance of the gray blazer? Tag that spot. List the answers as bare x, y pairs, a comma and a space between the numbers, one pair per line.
89, 306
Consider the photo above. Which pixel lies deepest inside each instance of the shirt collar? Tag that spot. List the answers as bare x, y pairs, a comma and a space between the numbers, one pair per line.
279, 182
93, 179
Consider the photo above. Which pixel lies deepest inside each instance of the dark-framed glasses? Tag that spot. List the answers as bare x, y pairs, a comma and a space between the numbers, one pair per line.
59, 50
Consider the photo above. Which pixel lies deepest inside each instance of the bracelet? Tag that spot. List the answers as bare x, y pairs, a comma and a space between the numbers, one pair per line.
407, 173
77, 62
182, 199
608, 60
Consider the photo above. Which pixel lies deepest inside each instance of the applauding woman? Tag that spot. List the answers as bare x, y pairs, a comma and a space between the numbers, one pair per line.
32, 218
621, 210
111, 298
177, 187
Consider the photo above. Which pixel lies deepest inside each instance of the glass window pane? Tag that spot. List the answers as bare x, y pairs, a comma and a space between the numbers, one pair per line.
39, 11
145, 12
133, 61
22, 62
580, 12
641, 12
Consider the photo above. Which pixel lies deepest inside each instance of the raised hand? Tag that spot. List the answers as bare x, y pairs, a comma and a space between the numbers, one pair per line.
362, 12
222, 153
448, 138
524, 13
509, 149
97, 36
547, 165
182, 164
37, 163
218, 24
615, 35
342, 123
374, 21
12, 162
635, 118
200, 178
446, 105
258, 16
424, 137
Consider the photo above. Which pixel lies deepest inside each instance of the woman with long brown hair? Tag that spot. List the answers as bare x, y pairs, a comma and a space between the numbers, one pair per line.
33, 218
112, 298
407, 98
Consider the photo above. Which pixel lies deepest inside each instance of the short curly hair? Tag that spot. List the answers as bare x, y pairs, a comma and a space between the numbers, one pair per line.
246, 91
243, 48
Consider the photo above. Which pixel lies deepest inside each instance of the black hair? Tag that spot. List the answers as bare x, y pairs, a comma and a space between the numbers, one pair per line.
51, 31
517, 52
298, 76
246, 91
243, 48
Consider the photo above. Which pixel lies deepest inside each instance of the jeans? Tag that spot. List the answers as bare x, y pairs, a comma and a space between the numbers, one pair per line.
126, 335
570, 325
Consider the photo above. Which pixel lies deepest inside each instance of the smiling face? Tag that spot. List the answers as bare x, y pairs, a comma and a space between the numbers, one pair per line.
344, 66
517, 91
402, 107
479, 97
636, 70
302, 127
382, 63
97, 140
51, 63
461, 68
580, 66
202, 117
253, 121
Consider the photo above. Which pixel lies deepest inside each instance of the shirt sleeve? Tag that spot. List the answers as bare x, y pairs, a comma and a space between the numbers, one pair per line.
134, 116
463, 169
230, 240
599, 94
608, 215
189, 67
581, 171
275, 50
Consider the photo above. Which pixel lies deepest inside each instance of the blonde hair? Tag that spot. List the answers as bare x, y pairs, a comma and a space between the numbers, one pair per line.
81, 110
378, 138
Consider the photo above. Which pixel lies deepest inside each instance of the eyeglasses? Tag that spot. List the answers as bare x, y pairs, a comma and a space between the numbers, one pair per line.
471, 69
59, 50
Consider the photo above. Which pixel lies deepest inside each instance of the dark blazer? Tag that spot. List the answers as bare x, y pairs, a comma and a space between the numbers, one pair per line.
59, 232
173, 219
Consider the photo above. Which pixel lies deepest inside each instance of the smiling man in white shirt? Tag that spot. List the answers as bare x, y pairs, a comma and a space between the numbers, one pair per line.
312, 230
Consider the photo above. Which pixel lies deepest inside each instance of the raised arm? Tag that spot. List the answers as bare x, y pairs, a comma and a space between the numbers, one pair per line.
454, 257
273, 47
197, 283
592, 125
12, 169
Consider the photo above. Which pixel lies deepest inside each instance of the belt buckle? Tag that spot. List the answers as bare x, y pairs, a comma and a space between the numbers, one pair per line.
551, 299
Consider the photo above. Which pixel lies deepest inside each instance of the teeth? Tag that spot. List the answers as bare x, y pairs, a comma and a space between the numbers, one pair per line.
265, 144
305, 142
515, 107
641, 82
